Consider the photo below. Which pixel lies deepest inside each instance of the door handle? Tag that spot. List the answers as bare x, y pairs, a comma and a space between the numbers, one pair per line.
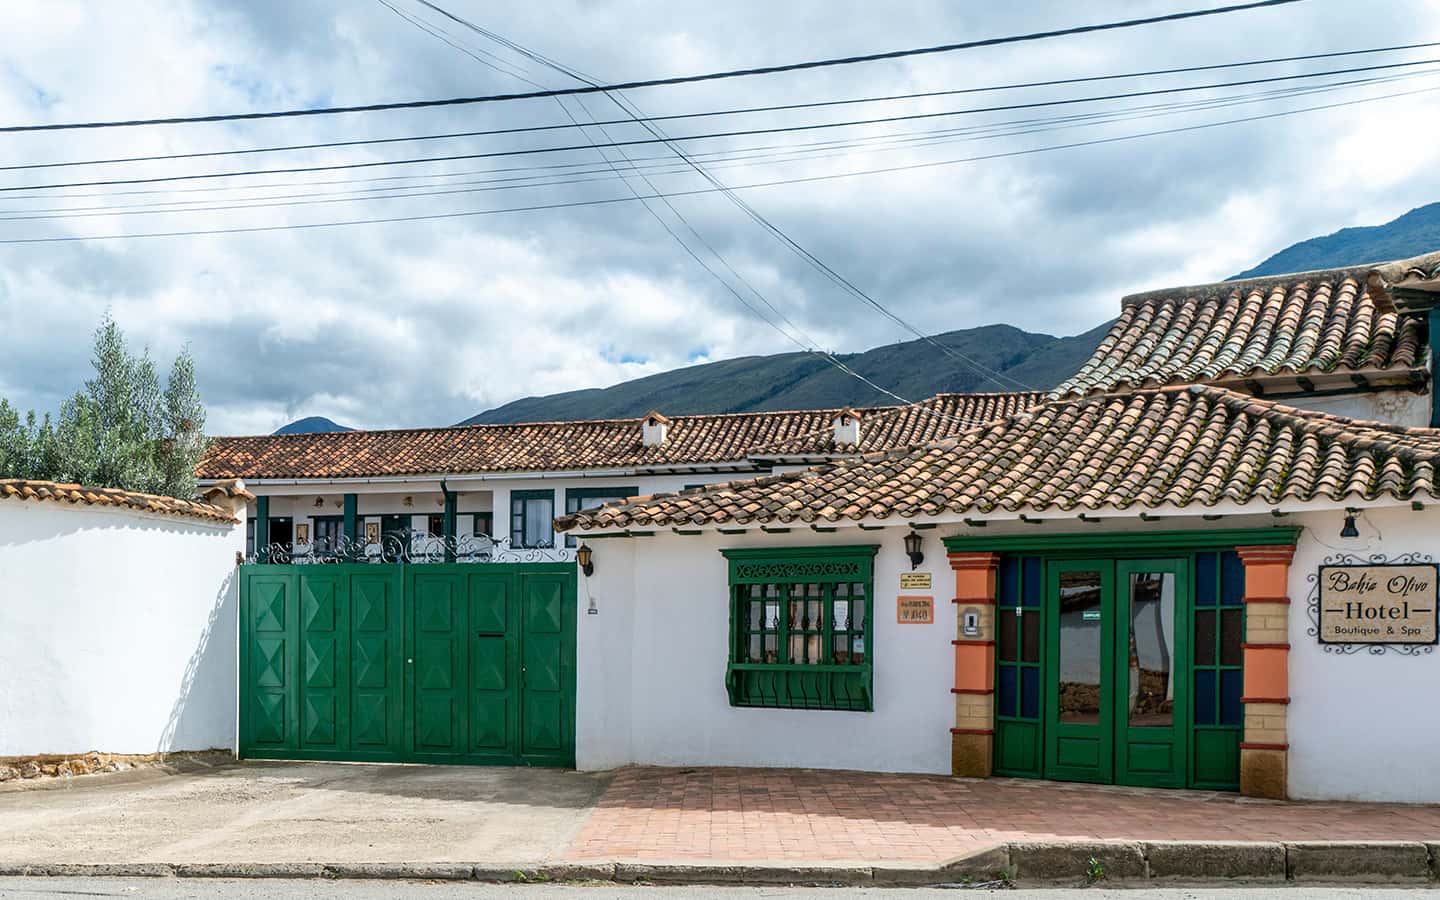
410, 661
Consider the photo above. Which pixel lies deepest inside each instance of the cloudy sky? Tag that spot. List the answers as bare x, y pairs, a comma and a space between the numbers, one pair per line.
427, 322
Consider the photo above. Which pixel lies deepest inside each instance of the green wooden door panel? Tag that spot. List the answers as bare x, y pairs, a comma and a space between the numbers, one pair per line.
1151, 690
489, 604
269, 711
1017, 748
1217, 759
494, 664
1079, 719
376, 664
438, 672
547, 660
459, 663
324, 696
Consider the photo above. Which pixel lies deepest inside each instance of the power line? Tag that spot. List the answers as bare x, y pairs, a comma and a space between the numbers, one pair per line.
736, 187
660, 82
785, 129
825, 356
635, 113
586, 173
787, 152
784, 107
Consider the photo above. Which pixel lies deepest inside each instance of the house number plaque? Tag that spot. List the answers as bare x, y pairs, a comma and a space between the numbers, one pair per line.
915, 610
1378, 604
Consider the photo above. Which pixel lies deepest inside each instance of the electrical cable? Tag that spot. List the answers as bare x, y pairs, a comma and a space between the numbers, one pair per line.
321, 145
661, 82
737, 187
750, 154
667, 166
788, 129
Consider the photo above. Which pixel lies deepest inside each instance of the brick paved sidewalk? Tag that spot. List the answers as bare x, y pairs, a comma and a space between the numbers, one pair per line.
744, 815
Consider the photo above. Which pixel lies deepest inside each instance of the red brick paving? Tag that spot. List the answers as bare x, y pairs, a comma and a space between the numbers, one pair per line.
737, 815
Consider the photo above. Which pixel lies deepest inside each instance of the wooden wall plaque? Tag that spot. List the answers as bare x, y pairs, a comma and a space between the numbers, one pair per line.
1379, 604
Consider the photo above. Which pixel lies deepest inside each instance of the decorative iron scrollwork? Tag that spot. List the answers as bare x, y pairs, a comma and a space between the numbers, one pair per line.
411, 546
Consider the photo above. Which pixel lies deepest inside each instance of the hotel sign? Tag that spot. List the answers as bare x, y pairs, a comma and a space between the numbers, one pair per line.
1378, 604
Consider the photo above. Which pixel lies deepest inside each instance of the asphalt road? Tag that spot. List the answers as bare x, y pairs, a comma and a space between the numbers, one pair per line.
266, 889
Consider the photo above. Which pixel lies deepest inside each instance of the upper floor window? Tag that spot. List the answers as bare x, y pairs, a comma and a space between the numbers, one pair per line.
532, 519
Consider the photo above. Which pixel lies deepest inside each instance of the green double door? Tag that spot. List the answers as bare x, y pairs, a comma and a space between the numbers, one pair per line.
466, 663
1116, 697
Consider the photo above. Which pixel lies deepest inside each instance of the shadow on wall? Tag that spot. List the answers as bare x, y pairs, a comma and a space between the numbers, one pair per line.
209, 673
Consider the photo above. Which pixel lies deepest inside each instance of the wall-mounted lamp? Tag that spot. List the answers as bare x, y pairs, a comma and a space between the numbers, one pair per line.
408, 501
1349, 530
912, 550
586, 558
319, 502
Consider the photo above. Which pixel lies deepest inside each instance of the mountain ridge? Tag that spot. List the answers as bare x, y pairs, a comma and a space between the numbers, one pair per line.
917, 369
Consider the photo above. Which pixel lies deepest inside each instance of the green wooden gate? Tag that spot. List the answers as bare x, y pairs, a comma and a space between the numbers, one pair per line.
462, 663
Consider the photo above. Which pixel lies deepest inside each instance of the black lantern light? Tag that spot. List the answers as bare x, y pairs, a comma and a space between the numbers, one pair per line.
1349, 530
912, 550
586, 558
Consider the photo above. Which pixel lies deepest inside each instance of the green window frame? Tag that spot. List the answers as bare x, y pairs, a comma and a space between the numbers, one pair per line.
577, 499
521, 522
802, 627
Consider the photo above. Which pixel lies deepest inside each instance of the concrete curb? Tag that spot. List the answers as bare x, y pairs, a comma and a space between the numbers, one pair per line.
1055, 862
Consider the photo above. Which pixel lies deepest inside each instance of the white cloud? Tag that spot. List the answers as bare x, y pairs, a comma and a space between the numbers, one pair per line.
430, 322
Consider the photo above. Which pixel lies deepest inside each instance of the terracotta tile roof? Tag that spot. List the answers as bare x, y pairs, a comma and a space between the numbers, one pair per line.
1180, 446
23, 489
891, 427
1312, 323
594, 444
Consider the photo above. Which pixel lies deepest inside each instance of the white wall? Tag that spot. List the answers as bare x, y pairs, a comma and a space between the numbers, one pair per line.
652, 664
1362, 726
1397, 407
117, 630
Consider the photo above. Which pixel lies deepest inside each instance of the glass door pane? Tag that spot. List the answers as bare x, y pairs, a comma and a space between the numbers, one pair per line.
1081, 646
1151, 649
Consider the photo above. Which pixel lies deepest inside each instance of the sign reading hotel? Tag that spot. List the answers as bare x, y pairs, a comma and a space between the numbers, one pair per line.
915, 610
1378, 604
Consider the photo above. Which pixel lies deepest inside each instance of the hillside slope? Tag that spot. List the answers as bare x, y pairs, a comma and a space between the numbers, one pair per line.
914, 370
1416, 232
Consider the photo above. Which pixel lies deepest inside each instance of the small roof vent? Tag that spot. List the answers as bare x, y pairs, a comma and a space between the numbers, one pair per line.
846, 426
654, 428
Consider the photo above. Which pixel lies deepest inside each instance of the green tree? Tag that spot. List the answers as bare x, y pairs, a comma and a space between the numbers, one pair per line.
121, 431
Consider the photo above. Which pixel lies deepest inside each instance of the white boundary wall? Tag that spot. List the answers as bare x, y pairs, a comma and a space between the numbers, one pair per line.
117, 630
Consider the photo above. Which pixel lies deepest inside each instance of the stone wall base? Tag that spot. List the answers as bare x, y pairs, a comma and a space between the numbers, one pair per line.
1263, 773
60, 765
970, 755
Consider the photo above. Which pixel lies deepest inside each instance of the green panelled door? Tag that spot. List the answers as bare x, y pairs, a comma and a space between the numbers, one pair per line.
268, 657
427, 663
1151, 694
1116, 697
438, 662
1080, 727
547, 666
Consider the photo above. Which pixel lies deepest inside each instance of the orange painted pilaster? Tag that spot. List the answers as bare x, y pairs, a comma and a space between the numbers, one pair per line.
972, 738
1265, 748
